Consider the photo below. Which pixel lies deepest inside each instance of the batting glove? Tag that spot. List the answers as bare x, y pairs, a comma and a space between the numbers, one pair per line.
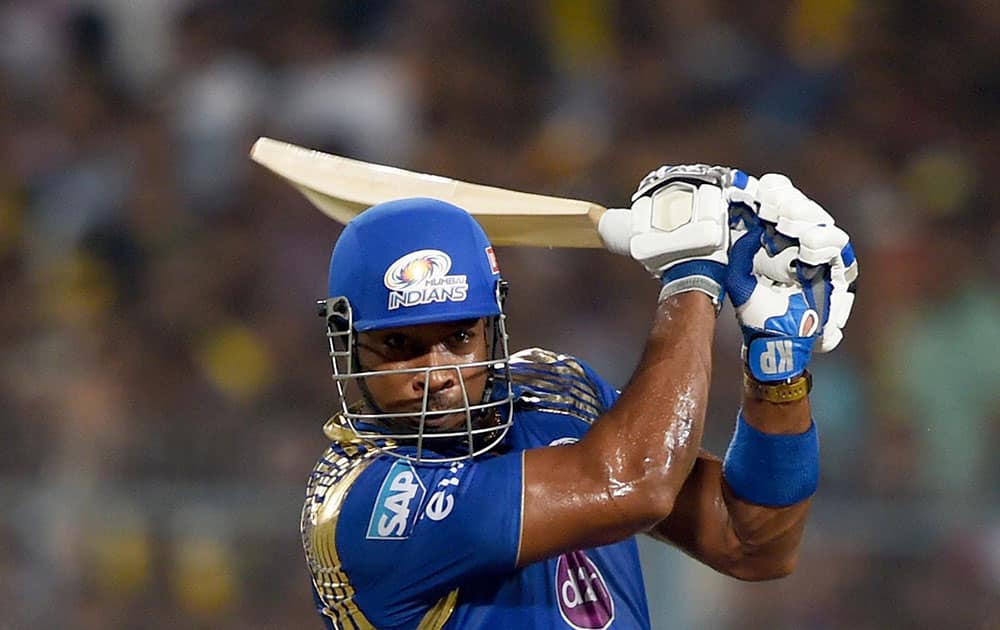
677, 227
791, 278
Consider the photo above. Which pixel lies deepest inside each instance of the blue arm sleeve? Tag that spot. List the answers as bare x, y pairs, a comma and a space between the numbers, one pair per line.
409, 533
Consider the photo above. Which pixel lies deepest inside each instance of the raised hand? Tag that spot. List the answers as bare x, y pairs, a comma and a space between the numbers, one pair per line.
791, 276
677, 228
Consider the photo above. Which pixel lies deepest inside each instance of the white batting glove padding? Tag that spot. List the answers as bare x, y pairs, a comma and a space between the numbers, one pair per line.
615, 228
748, 195
780, 199
677, 222
825, 246
821, 244
818, 242
778, 268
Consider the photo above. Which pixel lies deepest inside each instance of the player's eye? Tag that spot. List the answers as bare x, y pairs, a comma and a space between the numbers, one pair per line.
462, 337
395, 341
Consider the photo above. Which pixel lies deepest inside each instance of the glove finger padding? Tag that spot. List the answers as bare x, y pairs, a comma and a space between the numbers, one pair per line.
776, 259
829, 247
821, 244
791, 277
780, 199
789, 216
615, 228
742, 193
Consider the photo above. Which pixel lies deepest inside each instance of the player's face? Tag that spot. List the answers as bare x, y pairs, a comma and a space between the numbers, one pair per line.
426, 345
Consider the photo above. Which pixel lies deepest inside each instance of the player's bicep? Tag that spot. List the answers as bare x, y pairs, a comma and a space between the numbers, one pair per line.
571, 502
569, 499
410, 531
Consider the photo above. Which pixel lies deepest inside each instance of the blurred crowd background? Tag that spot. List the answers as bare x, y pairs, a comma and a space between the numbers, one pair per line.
164, 375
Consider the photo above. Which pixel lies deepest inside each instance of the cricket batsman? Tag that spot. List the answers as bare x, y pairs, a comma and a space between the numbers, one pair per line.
467, 487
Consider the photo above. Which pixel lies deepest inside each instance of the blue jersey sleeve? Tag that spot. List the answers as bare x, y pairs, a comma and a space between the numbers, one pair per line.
409, 533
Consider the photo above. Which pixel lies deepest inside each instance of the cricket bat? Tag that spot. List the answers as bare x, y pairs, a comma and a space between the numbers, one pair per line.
342, 188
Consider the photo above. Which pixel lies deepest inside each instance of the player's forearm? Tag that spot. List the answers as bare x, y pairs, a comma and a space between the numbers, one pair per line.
769, 537
737, 537
645, 445
734, 537
777, 418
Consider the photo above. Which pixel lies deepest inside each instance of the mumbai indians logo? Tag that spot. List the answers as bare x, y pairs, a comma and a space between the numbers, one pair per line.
421, 277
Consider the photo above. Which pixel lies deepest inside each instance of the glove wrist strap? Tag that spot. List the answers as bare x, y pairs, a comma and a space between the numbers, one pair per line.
706, 276
694, 283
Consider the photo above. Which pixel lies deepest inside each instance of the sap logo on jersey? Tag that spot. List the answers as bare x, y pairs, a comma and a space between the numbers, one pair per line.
397, 504
421, 277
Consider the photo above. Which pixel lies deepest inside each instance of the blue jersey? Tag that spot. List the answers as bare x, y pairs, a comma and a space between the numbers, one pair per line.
394, 544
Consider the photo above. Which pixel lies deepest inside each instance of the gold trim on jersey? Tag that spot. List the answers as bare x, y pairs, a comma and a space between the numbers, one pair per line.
439, 615
555, 382
332, 478
337, 431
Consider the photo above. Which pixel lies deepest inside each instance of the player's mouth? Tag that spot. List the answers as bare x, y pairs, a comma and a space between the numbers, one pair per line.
445, 421
436, 416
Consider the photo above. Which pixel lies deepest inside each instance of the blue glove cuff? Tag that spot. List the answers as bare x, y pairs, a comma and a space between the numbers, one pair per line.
777, 358
700, 267
706, 276
772, 470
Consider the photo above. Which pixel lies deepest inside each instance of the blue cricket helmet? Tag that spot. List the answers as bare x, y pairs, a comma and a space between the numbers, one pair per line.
414, 261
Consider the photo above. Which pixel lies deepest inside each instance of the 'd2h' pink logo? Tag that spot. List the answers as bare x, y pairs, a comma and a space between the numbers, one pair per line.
584, 600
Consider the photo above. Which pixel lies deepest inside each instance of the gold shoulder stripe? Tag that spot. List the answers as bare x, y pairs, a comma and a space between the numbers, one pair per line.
543, 357
332, 478
556, 383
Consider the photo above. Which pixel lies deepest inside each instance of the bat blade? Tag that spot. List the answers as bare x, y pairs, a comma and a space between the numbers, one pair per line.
342, 188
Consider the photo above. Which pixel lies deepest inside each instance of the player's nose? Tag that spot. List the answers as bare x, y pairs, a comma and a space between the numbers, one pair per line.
435, 377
